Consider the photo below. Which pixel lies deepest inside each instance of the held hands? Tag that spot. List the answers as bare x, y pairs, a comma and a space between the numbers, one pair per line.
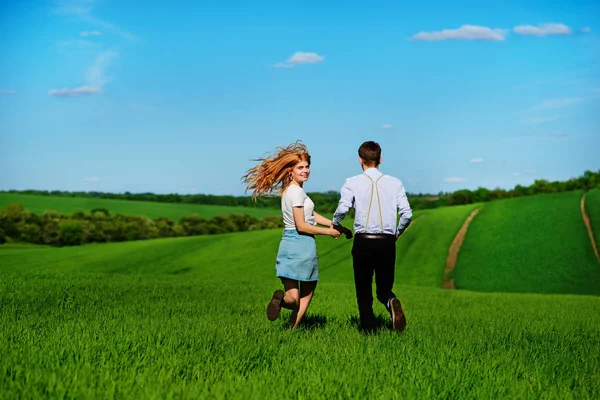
334, 233
342, 229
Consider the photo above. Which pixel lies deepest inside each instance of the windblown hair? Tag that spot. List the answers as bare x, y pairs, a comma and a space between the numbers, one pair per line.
370, 152
273, 171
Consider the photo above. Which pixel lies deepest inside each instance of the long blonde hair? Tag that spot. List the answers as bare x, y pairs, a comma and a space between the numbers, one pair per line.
273, 171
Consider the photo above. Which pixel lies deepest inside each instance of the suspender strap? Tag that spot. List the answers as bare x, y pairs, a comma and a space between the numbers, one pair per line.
374, 187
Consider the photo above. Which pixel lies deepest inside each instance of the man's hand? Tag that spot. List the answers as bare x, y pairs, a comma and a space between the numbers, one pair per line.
343, 230
334, 233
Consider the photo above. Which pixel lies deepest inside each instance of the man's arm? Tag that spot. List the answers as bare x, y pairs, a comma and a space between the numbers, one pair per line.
404, 210
346, 201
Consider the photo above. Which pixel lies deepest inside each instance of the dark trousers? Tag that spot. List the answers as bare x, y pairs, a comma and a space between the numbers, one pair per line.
370, 256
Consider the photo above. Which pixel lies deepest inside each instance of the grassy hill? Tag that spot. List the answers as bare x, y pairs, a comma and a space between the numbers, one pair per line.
186, 318
592, 207
423, 248
69, 205
529, 244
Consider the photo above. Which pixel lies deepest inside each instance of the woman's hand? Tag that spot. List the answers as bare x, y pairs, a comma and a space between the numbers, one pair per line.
334, 232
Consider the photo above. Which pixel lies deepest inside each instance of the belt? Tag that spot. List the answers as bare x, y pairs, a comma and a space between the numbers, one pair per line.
387, 236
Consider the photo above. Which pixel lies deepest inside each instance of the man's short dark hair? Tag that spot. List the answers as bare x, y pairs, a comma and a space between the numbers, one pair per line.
370, 152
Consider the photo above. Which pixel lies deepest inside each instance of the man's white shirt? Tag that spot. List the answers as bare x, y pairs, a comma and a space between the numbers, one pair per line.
378, 199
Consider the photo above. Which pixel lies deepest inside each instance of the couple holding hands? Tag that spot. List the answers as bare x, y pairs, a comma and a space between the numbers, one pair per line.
377, 199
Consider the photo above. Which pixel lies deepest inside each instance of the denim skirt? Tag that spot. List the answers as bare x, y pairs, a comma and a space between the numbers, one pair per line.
297, 256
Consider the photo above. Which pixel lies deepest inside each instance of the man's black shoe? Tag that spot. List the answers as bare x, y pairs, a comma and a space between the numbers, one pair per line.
398, 317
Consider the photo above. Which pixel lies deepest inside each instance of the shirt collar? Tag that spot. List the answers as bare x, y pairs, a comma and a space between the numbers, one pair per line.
373, 172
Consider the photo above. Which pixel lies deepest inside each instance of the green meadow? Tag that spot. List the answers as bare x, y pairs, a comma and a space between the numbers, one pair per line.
592, 207
529, 244
68, 205
185, 317
421, 254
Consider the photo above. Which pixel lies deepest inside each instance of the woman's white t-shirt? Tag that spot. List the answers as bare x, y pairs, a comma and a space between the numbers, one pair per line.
294, 196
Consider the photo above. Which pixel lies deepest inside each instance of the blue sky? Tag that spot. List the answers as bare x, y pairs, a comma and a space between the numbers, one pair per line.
139, 96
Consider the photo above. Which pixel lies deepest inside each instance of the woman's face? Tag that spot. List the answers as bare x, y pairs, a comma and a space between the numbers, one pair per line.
301, 172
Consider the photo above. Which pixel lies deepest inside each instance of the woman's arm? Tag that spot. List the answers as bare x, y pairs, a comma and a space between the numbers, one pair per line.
304, 227
321, 220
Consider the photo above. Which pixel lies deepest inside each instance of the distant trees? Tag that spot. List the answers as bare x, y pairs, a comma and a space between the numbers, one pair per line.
96, 226
327, 202
587, 181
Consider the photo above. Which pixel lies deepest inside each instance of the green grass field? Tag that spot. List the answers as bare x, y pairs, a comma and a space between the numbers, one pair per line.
68, 205
533, 244
592, 208
185, 318
423, 248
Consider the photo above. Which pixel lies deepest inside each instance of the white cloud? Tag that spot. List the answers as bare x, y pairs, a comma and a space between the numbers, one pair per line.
465, 32
586, 29
305, 58
542, 29
516, 173
8, 91
83, 10
96, 72
477, 160
76, 43
95, 78
73, 6
90, 33
300, 57
78, 91
529, 171
454, 179
414, 180
386, 126
554, 134
93, 179
283, 65
557, 103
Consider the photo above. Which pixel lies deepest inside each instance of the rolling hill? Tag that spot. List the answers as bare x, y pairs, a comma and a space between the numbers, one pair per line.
68, 205
185, 317
535, 244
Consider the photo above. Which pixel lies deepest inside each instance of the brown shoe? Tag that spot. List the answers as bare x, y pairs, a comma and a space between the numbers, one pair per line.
274, 306
398, 317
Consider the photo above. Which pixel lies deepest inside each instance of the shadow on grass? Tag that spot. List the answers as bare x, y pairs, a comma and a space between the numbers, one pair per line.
313, 321
181, 271
382, 322
309, 322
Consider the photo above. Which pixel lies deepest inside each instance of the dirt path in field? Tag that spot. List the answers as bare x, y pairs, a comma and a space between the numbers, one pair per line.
454, 249
586, 221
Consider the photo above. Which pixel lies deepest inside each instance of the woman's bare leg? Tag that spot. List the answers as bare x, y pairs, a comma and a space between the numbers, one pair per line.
307, 289
291, 298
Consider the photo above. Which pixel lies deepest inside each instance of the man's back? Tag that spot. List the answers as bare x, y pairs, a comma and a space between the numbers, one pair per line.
378, 199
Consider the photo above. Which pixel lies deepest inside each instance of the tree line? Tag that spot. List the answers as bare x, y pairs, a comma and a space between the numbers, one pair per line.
98, 226
587, 181
326, 202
